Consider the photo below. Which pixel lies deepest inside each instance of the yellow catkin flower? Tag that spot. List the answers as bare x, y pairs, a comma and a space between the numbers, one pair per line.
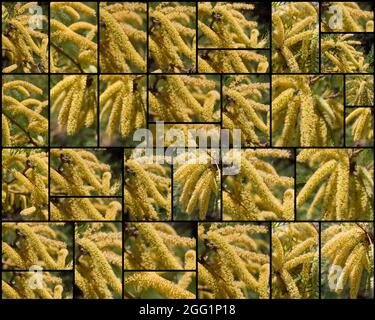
8, 291
277, 253
290, 285
264, 282
343, 172
314, 181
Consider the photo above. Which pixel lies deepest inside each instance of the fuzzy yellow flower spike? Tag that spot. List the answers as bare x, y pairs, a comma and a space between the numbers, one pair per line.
73, 103
138, 282
175, 98
97, 209
122, 106
198, 185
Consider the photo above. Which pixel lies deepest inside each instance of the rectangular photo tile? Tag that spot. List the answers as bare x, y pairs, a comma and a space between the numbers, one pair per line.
40, 246
295, 37
24, 184
172, 37
258, 184
346, 252
295, 260
74, 37
123, 37
307, 110
335, 184
25, 37
37, 284
187, 150
147, 185
234, 25
347, 16
159, 246
98, 260
234, 260
156, 285
86, 172
25, 111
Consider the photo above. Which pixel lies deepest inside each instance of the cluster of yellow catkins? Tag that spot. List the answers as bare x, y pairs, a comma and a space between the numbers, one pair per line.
295, 261
157, 246
338, 54
232, 61
122, 44
362, 121
224, 25
98, 256
50, 286
24, 184
349, 250
295, 37
303, 117
34, 244
339, 189
159, 282
78, 34
147, 188
197, 175
359, 90
175, 98
74, 99
351, 17
188, 134
80, 173
30, 105
172, 38
122, 104
25, 49
257, 191
98, 209
234, 261
242, 110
